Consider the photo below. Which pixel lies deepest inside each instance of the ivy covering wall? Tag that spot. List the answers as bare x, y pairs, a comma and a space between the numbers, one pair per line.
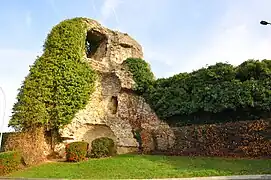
217, 93
60, 81
142, 74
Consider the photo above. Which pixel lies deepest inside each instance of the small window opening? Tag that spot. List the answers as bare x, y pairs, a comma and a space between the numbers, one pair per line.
113, 104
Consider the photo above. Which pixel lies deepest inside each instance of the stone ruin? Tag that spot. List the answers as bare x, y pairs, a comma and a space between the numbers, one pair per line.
114, 110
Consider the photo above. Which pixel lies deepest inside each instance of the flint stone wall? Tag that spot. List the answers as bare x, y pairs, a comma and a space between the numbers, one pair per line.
114, 110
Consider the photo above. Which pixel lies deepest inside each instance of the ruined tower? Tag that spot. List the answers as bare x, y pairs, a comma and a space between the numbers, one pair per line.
114, 110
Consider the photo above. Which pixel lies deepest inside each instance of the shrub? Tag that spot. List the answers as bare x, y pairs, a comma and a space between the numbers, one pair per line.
76, 151
9, 161
103, 147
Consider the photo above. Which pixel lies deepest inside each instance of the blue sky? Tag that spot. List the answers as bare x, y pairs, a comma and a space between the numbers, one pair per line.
176, 35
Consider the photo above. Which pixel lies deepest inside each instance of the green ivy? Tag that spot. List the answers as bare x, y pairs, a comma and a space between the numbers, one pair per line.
217, 93
141, 72
60, 81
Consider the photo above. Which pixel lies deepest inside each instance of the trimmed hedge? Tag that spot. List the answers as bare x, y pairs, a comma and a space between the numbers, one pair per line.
76, 151
9, 162
103, 147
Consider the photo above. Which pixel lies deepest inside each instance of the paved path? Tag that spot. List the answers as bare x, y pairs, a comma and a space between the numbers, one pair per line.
246, 177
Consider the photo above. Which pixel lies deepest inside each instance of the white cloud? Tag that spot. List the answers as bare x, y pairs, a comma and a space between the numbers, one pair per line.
14, 67
28, 19
108, 9
52, 3
237, 37
93, 7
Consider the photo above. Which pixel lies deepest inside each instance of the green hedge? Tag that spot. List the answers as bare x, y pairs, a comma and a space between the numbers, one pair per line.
9, 161
103, 147
217, 93
76, 151
60, 81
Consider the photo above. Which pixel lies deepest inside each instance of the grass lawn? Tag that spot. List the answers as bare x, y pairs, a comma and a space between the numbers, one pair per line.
146, 166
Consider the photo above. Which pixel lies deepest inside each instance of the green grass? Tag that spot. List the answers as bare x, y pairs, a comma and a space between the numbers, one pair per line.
145, 166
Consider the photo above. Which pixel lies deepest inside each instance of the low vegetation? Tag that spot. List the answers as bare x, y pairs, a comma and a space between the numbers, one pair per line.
9, 162
103, 147
76, 151
144, 166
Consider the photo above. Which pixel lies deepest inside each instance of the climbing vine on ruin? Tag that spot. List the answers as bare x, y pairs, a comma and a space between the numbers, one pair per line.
141, 72
60, 81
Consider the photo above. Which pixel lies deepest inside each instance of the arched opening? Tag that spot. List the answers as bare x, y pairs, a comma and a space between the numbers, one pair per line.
97, 131
96, 45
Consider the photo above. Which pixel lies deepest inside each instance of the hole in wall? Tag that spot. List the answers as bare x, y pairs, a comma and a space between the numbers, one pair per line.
96, 45
113, 105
